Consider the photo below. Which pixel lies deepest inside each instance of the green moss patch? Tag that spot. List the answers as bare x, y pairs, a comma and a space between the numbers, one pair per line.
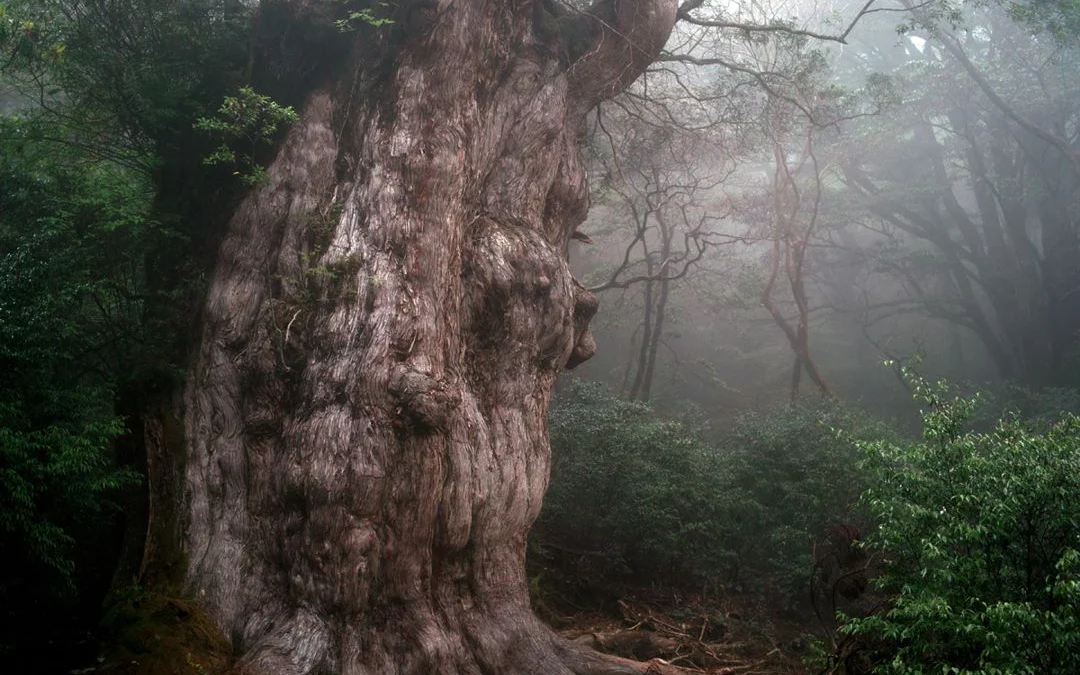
160, 635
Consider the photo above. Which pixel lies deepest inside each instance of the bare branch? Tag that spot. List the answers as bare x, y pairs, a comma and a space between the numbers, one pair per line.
778, 27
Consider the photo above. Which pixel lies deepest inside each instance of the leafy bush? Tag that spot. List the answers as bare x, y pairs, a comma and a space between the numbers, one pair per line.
796, 476
107, 221
643, 498
1039, 407
69, 311
980, 535
245, 123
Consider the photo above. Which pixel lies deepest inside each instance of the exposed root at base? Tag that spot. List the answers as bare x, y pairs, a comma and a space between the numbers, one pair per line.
585, 661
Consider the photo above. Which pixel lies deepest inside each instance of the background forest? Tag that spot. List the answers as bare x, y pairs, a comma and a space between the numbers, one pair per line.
830, 426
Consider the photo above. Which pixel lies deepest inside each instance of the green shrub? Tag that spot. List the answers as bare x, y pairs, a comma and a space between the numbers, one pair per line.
645, 499
979, 534
796, 475
69, 310
1038, 407
245, 124
642, 497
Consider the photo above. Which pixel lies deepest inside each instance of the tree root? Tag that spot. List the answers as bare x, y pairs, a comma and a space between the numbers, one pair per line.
583, 660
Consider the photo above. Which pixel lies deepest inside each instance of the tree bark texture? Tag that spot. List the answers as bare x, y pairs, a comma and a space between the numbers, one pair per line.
366, 414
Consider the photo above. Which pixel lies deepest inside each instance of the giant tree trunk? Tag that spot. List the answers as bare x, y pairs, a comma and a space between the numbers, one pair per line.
365, 420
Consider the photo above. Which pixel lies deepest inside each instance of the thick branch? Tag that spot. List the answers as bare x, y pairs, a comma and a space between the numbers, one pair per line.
624, 37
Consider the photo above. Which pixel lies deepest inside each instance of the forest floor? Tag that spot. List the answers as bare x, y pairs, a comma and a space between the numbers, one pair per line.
723, 634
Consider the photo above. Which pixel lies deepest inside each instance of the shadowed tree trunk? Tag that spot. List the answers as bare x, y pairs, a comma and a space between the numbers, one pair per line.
365, 418
654, 315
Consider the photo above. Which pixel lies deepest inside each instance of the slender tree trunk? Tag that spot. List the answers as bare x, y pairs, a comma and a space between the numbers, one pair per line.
789, 246
798, 337
642, 358
631, 360
657, 334
659, 314
366, 416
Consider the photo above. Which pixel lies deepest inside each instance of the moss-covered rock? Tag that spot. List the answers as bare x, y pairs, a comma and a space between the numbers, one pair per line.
160, 635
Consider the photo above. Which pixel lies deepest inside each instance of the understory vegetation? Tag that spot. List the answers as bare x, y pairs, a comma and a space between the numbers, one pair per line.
99, 278
954, 552
978, 536
71, 333
638, 498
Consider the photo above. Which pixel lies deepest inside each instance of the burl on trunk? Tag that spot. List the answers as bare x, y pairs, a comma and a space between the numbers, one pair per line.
365, 417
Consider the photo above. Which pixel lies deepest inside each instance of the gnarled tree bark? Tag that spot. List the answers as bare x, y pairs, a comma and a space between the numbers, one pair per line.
365, 418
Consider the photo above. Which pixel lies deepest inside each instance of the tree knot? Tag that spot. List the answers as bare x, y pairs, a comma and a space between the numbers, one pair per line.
585, 306
424, 400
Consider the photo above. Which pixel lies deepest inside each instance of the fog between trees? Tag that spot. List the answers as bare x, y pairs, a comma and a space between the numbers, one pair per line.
837, 205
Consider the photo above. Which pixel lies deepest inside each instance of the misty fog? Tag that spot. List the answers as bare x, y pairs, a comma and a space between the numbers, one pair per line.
782, 222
